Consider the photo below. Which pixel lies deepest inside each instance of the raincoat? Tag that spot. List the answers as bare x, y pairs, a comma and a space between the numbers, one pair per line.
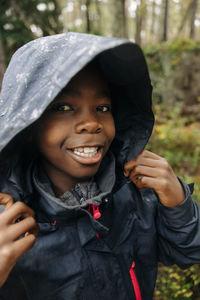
108, 249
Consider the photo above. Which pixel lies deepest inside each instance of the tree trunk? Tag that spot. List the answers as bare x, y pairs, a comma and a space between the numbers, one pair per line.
58, 28
185, 17
99, 15
193, 16
88, 23
124, 19
2, 61
118, 18
153, 18
165, 24
138, 27
140, 14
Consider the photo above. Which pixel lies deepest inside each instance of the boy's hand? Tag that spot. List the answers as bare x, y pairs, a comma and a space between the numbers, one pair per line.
18, 230
153, 171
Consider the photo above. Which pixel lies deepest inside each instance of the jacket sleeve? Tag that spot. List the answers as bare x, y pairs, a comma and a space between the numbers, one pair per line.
179, 232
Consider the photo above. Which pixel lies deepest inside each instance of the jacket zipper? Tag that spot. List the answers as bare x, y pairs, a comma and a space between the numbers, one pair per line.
135, 282
94, 210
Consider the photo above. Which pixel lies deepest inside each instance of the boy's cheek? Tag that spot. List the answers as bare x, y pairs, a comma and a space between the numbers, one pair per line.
112, 129
111, 137
48, 133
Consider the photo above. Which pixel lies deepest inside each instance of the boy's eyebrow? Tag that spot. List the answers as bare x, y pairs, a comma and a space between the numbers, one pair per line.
103, 94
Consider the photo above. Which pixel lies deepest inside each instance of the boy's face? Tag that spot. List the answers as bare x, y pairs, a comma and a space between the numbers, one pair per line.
76, 130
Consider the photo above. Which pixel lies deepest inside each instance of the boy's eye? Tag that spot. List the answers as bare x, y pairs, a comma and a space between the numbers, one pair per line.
61, 107
104, 108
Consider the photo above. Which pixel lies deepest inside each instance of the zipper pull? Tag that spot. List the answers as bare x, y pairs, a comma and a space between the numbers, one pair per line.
96, 212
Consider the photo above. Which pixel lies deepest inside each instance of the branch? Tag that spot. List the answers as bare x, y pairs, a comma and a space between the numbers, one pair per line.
185, 17
22, 16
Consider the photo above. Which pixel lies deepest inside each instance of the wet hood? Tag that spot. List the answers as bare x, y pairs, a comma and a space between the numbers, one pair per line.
39, 70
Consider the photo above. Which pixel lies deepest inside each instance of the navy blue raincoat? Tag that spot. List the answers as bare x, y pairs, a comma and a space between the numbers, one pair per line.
77, 256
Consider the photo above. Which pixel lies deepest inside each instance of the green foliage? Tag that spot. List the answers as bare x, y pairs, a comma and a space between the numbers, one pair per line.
174, 283
179, 142
173, 50
174, 71
173, 47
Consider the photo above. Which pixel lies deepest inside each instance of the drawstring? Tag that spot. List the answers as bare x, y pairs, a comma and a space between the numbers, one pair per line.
94, 211
135, 282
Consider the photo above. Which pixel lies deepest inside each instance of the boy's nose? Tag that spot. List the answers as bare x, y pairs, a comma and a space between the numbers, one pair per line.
90, 126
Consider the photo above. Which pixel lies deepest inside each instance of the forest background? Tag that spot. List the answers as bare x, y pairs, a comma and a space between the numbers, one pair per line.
169, 33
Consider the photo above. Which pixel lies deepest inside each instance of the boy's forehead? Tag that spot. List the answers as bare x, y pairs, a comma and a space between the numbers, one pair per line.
91, 70
91, 76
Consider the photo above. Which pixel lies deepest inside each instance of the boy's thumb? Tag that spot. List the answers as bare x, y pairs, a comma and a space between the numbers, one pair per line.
6, 200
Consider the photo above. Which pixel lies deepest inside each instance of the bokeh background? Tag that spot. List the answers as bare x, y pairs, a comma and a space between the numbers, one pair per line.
169, 33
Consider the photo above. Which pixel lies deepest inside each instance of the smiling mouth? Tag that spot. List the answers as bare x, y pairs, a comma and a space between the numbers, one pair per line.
87, 155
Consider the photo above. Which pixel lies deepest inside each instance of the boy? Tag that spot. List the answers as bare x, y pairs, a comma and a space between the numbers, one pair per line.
75, 117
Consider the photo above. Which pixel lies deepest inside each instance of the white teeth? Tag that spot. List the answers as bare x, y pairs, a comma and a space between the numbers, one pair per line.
85, 151
90, 150
85, 154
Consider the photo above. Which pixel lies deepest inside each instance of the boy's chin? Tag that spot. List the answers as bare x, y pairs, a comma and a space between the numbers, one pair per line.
87, 172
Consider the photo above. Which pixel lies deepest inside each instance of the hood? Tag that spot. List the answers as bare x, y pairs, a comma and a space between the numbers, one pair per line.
39, 70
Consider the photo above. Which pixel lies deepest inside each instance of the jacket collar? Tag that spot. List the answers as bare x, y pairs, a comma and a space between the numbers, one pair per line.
51, 205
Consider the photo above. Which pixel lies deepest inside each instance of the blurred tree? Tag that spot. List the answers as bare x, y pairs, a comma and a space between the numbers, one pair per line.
124, 18
153, 18
22, 21
88, 17
22, 16
140, 16
185, 16
194, 5
189, 16
165, 23
118, 18
99, 15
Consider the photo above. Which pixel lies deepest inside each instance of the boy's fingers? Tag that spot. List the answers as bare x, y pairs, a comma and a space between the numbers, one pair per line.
146, 162
144, 182
6, 200
24, 227
135, 176
149, 154
144, 158
143, 170
11, 252
16, 238
128, 167
139, 182
16, 211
